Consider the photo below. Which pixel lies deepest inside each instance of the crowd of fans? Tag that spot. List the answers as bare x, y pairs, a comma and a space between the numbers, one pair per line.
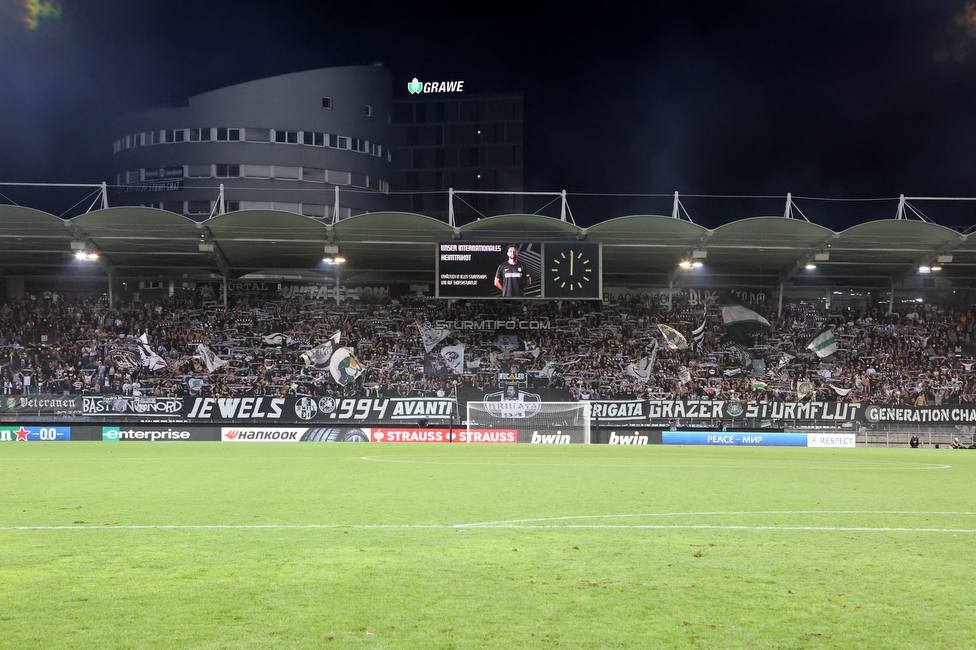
68, 344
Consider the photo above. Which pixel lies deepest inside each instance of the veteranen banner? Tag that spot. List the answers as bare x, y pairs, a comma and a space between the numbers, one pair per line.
41, 404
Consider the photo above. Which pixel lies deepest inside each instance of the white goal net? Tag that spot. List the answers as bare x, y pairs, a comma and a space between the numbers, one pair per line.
536, 422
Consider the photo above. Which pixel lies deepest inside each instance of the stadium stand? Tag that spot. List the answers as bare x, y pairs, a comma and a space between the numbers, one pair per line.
68, 344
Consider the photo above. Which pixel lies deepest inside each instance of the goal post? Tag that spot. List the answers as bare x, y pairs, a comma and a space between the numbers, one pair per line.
536, 422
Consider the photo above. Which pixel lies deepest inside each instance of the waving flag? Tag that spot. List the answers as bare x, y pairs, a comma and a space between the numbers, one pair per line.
823, 344
674, 338
431, 335
319, 357
210, 358
344, 366
454, 357
739, 315
150, 359
698, 334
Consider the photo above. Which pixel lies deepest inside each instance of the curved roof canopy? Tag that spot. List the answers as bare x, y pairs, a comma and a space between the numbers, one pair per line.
638, 250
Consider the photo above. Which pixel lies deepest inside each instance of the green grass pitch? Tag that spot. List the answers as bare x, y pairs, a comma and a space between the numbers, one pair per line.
223, 545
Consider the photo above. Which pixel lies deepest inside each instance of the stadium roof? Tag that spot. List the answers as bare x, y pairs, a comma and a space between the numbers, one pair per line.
385, 247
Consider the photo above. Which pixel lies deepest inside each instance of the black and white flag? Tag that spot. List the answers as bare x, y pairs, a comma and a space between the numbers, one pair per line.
210, 358
431, 335
320, 356
453, 356
150, 359
674, 338
698, 334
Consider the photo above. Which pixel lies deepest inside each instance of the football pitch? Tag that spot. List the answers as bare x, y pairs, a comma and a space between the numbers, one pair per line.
272, 545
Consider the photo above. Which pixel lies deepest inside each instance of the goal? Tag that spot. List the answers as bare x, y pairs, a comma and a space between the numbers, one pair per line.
536, 422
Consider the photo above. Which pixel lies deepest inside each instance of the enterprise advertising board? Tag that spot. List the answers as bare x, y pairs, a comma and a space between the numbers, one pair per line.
160, 433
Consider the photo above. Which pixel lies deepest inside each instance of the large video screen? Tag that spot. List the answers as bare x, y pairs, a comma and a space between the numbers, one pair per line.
519, 270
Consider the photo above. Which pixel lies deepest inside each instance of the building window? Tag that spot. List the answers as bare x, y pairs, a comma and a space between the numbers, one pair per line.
198, 171
257, 135
376, 149
152, 137
286, 173
256, 171
369, 111
338, 178
286, 137
313, 139
313, 175
233, 135
327, 102
198, 207
338, 141
228, 171
358, 144
200, 135
176, 135
313, 210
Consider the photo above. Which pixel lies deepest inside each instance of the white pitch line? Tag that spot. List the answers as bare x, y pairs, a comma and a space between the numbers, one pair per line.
718, 513
661, 463
865, 529
539, 523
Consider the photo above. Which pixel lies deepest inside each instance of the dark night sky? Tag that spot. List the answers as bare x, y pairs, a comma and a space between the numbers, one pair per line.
823, 99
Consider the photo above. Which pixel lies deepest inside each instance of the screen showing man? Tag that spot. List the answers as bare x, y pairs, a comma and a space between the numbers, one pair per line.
512, 277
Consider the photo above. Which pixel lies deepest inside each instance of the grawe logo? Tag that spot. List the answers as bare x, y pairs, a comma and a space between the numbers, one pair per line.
417, 87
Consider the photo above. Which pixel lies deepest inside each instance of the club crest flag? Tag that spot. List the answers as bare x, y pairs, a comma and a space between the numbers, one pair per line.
823, 344
210, 358
319, 357
344, 366
454, 358
431, 335
674, 338
803, 389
